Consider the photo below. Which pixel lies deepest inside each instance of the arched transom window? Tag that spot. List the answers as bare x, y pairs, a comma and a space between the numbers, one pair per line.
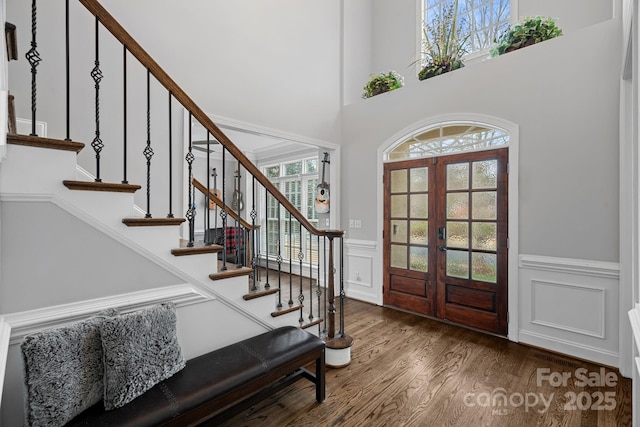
447, 139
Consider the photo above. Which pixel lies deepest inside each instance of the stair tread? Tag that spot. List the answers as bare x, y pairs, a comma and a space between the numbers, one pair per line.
286, 310
259, 293
197, 248
306, 325
37, 141
101, 186
231, 271
145, 222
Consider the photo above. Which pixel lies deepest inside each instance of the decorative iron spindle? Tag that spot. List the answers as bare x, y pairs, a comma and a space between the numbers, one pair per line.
254, 215
310, 251
170, 214
207, 198
318, 289
301, 258
266, 235
191, 212
148, 151
97, 76
124, 115
290, 302
223, 212
67, 67
33, 57
326, 294
279, 259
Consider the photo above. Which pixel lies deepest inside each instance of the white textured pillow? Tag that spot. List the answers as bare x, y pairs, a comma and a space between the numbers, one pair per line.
140, 350
63, 371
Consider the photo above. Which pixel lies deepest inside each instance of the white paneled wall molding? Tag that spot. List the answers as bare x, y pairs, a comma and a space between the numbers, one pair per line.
360, 281
570, 306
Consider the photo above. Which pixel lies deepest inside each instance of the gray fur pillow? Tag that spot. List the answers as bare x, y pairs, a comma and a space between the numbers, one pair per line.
140, 350
63, 371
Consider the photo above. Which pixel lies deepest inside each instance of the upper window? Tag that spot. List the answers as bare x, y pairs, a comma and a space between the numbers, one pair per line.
448, 139
483, 20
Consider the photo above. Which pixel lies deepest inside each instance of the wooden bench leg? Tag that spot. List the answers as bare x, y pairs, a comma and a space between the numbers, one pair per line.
320, 378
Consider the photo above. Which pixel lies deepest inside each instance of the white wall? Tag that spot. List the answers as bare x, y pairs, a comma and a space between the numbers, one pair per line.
273, 64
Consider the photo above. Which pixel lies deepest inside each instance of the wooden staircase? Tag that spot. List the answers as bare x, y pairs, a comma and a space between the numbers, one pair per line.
182, 250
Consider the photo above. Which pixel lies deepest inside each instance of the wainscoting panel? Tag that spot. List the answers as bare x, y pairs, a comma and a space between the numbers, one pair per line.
570, 306
360, 280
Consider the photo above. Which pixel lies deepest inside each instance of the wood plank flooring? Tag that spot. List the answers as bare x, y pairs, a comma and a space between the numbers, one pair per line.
407, 370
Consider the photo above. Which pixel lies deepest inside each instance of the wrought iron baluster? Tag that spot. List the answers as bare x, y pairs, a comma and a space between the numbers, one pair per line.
254, 215
170, 214
326, 294
266, 238
191, 213
223, 212
67, 67
279, 260
148, 151
310, 252
319, 290
301, 258
124, 114
97, 76
207, 198
239, 245
290, 259
33, 57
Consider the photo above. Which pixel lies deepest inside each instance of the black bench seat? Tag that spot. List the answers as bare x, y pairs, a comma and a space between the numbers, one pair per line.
222, 383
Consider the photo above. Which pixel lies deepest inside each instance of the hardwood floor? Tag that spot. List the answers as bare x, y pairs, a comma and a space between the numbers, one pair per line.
408, 370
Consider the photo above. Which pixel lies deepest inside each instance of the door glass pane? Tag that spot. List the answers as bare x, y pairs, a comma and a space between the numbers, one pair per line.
419, 230
485, 174
484, 267
484, 235
457, 264
419, 206
399, 256
485, 205
399, 181
457, 205
399, 206
458, 234
419, 258
419, 179
399, 231
458, 176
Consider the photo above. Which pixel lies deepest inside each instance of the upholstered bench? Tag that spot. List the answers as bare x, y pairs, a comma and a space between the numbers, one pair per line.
220, 384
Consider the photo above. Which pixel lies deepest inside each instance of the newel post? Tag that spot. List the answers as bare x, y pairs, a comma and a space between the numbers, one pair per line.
338, 344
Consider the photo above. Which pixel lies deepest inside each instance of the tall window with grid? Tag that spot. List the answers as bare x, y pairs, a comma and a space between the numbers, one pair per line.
297, 180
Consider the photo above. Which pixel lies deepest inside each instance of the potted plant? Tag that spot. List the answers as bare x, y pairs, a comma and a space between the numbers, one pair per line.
382, 83
527, 32
443, 43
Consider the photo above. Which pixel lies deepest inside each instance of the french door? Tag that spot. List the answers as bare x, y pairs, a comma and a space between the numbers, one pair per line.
445, 238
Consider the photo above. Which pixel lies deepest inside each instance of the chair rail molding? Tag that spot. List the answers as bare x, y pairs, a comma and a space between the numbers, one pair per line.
28, 322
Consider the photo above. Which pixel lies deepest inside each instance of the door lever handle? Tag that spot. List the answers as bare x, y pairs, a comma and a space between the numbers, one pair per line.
442, 248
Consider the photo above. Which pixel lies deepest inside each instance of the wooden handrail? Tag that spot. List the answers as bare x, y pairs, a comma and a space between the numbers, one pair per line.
215, 199
109, 22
